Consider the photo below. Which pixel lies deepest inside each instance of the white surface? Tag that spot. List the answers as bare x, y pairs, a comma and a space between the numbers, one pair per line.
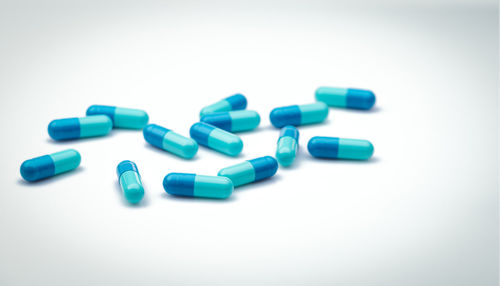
423, 211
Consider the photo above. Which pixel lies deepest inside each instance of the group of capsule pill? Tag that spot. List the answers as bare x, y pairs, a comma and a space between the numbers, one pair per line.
216, 130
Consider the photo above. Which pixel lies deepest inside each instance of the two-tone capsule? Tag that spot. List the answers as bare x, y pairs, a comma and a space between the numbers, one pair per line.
192, 185
216, 138
74, 128
130, 181
50, 165
340, 148
250, 171
234, 102
346, 97
121, 117
233, 121
299, 114
288, 144
170, 141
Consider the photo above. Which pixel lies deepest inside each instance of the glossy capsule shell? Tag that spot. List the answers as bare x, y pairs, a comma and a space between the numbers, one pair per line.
234, 102
192, 185
50, 165
233, 121
346, 97
288, 144
130, 181
121, 117
299, 114
340, 148
74, 128
170, 141
216, 138
250, 171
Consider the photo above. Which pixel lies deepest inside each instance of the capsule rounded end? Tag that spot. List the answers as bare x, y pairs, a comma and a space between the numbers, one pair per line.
235, 147
276, 118
133, 193
29, 171
285, 156
189, 149
226, 189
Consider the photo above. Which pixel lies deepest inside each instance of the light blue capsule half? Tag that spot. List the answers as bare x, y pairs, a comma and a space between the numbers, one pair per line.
233, 121
74, 128
121, 117
346, 97
340, 148
299, 114
216, 138
130, 181
50, 165
170, 141
288, 144
192, 185
234, 102
250, 171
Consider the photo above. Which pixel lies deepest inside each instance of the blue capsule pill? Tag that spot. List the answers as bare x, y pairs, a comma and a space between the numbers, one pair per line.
130, 181
121, 117
192, 185
216, 138
288, 144
340, 148
233, 121
170, 141
234, 102
299, 114
346, 97
73, 128
50, 165
250, 171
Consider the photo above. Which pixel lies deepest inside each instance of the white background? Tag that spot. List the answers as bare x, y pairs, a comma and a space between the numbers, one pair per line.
422, 211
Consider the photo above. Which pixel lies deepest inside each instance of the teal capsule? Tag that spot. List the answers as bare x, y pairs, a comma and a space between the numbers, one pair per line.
299, 114
233, 121
192, 185
288, 144
50, 165
234, 102
170, 141
340, 148
130, 181
128, 118
216, 138
250, 171
346, 97
74, 128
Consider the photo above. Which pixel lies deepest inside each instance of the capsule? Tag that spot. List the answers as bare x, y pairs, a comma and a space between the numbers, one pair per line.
233, 121
288, 143
299, 114
130, 181
170, 141
340, 148
234, 102
250, 171
216, 138
346, 97
127, 118
50, 165
74, 128
192, 185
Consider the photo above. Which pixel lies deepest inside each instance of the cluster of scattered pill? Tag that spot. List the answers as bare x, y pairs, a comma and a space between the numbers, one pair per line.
216, 130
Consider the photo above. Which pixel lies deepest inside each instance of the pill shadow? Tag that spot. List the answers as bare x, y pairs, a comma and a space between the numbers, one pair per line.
167, 196
163, 152
50, 180
143, 203
375, 109
373, 160
78, 140
269, 181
